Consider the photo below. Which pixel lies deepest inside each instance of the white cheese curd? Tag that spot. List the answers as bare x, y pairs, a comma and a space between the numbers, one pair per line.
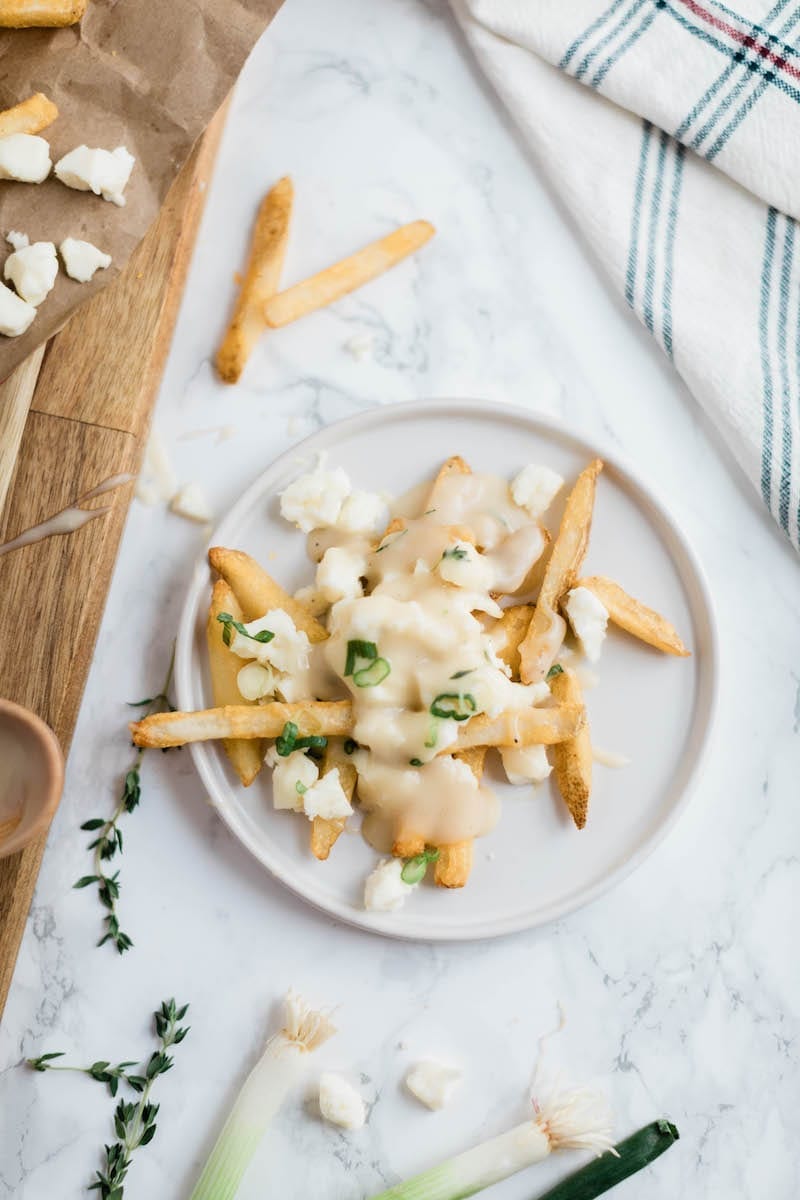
363, 512
82, 259
463, 566
360, 346
255, 681
33, 271
588, 618
24, 157
290, 777
525, 764
15, 314
17, 240
339, 574
433, 1083
314, 501
287, 650
340, 1103
104, 172
535, 489
384, 890
190, 502
326, 798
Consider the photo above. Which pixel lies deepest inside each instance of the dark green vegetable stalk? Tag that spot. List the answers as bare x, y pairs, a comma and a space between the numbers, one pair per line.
629, 1156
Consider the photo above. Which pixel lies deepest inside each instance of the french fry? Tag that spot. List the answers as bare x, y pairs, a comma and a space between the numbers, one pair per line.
334, 718
257, 592
345, 276
328, 718
49, 14
29, 116
511, 628
572, 759
246, 755
546, 632
261, 281
452, 867
325, 830
455, 465
634, 617
407, 845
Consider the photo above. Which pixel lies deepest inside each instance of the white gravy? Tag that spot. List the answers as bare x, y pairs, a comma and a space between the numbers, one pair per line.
68, 519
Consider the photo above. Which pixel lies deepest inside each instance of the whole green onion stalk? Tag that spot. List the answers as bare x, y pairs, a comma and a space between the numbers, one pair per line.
570, 1120
282, 1064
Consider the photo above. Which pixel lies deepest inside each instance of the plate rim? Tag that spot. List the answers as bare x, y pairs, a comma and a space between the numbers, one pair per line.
386, 925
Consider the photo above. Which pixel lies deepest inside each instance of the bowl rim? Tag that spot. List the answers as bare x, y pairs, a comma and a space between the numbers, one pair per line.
44, 807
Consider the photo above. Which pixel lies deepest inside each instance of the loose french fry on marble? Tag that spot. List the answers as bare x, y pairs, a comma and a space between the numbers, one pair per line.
545, 634
261, 281
325, 831
634, 617
345, 276
572, 759
29, 116
258, 593
246, 754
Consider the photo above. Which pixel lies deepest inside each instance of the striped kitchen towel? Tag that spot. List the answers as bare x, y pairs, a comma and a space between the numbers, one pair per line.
680, 161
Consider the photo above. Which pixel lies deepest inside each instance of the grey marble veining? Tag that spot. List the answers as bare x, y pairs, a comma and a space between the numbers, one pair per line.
680, 987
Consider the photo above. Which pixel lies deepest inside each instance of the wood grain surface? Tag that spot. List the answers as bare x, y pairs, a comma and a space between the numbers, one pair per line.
88, 420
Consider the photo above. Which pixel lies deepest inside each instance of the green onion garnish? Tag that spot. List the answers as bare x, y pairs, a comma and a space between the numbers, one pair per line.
356, 651
414, 868
395, 538
458, 705
314, 741
350, 746
300, 788
633, 1154
286, 742
229, 625
415, 762
556, 669
433, 736
461, 674
372, 675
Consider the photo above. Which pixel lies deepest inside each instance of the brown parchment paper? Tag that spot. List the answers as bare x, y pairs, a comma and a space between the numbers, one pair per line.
146, 74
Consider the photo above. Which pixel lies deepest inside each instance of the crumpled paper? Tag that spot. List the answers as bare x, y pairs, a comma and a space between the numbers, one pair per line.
146, 74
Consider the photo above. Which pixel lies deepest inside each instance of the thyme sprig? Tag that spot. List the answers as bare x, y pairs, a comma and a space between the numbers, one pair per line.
134, 1120
109, 841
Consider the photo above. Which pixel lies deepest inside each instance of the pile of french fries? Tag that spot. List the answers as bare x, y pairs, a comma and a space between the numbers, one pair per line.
529, 642
260, 306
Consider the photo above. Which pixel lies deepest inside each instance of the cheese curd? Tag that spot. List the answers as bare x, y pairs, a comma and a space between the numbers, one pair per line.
315, 500
433, 1083
24, 157
525, 764
15, 314
287, 650
17, 240
535, 489
190, 502
363, 512
340, 1103
82, 259
339, 574
104, 172
326, 798
32, 270
292, 776
589, 619
255, 681
384, 890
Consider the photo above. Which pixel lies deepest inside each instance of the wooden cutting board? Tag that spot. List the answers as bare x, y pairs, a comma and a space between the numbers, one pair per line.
89, 416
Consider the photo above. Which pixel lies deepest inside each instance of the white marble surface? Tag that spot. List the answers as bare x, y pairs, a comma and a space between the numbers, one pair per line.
680, 988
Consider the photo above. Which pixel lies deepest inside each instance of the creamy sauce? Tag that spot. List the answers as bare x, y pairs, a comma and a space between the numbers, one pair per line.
413, 650
68, 519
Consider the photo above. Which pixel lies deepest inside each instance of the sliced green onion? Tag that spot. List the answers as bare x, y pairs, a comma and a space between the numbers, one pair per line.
285, 744
229, 625
458, 705
372, 675
629, 1156
461, 674
433, 736
556, 669
569, 1121
357, 650
415, 762
314, 741
300, 788
414, 868
350, 746
281, 1067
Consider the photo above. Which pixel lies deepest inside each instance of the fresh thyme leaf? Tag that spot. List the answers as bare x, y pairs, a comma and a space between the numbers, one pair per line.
457, 552
395, 537
40, 1063
228, 625
461, 674
109, 840
415, 762
556, 669
350, 746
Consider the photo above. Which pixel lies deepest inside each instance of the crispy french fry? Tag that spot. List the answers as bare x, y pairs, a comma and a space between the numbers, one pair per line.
257, 592
261, 281
634, 617
345, 276
324, 830
29, 116
509, 632
50, 14
329, 718
452, 867
547, 628
572, 759
246, 754
334, 718
455, 465
407, 845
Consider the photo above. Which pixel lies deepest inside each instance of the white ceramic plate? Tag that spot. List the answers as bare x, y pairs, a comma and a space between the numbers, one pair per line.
655, 709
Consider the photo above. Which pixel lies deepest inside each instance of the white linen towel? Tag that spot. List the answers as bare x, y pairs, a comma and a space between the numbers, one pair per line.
671, 130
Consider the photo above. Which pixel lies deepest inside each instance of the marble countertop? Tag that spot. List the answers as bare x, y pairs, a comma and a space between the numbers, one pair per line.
680, 987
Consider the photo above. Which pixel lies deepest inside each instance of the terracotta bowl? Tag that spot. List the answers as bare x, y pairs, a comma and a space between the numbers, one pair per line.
31, 776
